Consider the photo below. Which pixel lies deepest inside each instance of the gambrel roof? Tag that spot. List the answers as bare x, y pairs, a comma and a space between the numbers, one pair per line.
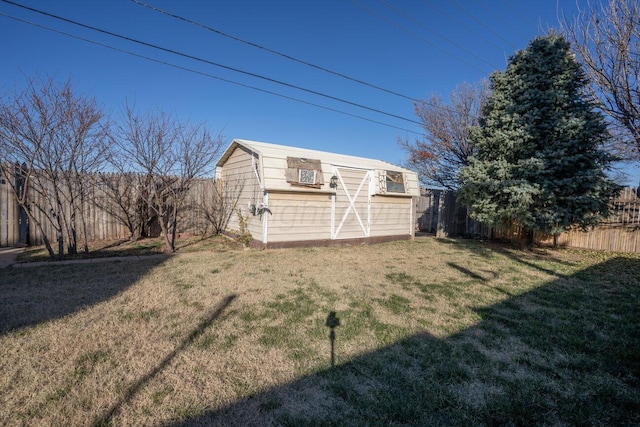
272, 159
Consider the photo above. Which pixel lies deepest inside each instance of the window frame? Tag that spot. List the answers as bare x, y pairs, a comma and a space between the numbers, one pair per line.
395, 182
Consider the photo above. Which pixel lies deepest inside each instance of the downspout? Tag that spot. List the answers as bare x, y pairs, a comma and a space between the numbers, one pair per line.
255, 169
332, 218
265, 218
265, 200
370, 175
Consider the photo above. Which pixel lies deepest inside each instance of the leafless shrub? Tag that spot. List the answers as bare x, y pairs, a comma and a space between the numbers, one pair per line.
55, 137
606, 38
219, 208
169, 156
445, 147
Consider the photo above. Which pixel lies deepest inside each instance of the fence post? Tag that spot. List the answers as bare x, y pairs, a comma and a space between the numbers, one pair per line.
440, 230
431, 200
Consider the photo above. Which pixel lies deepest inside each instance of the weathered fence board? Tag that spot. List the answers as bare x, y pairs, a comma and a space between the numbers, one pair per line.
620, 232
617, 238
7, 214
436, 212
427, 210
97, 206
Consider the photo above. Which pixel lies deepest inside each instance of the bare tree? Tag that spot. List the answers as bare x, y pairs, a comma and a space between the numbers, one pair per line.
169, 155
445, 147
218, 209
56, 137
606, 38
121, 196
82, 144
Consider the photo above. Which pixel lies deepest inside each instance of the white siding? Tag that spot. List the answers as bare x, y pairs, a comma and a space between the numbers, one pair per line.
299, 217
238, 175
274, 163
299, 213
275, 178
391, 216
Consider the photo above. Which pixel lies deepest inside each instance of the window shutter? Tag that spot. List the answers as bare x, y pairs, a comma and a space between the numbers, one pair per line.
296, 175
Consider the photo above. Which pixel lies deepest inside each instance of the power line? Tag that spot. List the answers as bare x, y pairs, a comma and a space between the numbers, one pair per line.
509, 4
462, 48
482, 23
293, 58
272, 51
226, 67
433, 6
206, 74
482, 5
415, 35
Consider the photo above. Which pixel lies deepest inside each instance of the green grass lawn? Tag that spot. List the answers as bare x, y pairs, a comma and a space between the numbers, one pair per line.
432, 332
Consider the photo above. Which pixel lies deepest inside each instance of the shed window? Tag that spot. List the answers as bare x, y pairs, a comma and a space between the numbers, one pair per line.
304, 172
306, 176
394, 182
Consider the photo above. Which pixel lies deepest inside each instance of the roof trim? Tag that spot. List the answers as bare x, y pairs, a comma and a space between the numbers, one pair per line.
275, 150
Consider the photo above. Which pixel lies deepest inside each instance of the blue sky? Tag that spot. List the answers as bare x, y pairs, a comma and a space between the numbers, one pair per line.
414, 48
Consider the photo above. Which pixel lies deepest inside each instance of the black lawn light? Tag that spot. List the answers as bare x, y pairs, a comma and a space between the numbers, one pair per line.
334, 182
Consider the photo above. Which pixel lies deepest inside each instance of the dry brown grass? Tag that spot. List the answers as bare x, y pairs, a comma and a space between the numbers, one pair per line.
227, 336
124, 247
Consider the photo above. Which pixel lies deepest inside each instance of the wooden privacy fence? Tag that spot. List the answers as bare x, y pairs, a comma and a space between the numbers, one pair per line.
98, 207
9, 231
437, 211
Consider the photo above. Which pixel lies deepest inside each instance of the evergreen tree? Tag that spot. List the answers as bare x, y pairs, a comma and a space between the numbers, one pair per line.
540, 146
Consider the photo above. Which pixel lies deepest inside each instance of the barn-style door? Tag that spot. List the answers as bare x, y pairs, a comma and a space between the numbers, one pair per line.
351, 204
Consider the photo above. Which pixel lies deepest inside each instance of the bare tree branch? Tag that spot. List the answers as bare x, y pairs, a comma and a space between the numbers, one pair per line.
606, 39
445, 147
170, 155
54, 136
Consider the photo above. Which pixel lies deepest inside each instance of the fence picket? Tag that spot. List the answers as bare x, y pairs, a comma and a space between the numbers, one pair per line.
435, 211
619, 233
100, 223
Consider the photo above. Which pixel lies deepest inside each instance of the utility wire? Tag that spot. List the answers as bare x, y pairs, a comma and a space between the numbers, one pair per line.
482, 5
461, 24
379, 15
509, 4
462, 48
205, 74
275, 52
288, 56
482, 23
226, 67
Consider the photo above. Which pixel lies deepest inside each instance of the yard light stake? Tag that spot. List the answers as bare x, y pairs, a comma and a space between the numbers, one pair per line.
332, 322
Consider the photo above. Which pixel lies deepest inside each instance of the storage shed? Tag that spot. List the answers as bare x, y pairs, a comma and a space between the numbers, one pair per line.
293, 196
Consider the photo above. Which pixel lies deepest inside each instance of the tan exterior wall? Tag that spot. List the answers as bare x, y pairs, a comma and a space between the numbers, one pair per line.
274, 176
391, 216
238, 176
299, 216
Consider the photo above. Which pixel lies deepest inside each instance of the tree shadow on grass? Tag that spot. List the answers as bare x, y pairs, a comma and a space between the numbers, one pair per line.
566, 353
489, 249
106, 419
38, 294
